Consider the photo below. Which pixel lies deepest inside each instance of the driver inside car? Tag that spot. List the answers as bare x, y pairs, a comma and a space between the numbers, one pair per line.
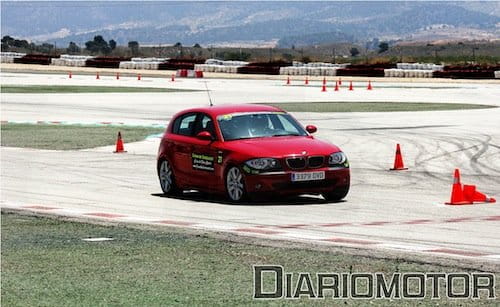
260, 125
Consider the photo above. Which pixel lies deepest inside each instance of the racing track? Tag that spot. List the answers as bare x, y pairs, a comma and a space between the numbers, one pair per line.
393, 211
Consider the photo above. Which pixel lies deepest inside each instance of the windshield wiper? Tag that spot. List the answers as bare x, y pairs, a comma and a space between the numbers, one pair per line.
291, 134
243, 138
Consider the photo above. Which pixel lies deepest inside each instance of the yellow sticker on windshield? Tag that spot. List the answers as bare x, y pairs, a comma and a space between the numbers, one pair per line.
226, 117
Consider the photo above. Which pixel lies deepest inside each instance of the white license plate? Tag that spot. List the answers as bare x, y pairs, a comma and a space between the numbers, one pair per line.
308, 176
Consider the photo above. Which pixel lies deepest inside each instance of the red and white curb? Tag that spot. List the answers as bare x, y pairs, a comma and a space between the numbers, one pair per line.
280, 232
101, 123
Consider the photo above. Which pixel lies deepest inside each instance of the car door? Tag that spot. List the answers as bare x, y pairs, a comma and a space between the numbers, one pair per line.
183, 141
205, 160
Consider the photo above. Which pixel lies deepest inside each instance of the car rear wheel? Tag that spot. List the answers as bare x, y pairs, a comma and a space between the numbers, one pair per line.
235, 185
337, 194
166, 176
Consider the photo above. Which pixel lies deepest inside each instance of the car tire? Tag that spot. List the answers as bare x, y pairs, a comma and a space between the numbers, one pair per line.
336, 194
235, 185
166, 177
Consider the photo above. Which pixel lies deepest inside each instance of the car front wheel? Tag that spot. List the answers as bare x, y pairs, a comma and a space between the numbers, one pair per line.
235, 186
336, 194
166, 176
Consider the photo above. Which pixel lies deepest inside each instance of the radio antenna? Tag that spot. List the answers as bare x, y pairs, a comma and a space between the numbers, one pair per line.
208, 93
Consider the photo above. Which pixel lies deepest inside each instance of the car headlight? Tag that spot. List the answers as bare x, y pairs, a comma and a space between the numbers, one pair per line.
337, 158
263, 163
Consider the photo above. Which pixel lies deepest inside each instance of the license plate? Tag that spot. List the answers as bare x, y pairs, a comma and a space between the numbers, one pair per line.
309, 176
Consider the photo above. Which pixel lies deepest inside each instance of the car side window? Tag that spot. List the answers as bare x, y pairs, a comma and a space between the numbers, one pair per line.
184, 125
205, 123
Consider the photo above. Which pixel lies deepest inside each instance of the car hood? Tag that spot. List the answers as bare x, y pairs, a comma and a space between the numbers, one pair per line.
281, 146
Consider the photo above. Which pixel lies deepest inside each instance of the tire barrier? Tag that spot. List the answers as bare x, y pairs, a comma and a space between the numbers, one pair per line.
365, 70
408, 73
467, 72
214, 65
188, 73
71, 60
225, 63
8, 57
413, 70
319, 64
175, 64
308, 71
267, 68
311, 69
295, 68
419, 66
106, 62
217, 68
35, 59
143, 63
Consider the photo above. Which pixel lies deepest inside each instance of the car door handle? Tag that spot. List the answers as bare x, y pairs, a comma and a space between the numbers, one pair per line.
185, 149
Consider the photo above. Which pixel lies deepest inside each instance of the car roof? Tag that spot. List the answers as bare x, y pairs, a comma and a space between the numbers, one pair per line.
215, 111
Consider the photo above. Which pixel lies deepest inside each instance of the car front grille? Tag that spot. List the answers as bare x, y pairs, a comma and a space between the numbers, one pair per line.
316, 161
303, 162
296, 162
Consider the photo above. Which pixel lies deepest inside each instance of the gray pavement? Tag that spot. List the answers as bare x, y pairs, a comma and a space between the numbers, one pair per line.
397, 210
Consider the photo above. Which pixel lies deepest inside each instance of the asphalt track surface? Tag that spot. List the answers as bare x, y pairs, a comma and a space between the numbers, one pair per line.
393, 211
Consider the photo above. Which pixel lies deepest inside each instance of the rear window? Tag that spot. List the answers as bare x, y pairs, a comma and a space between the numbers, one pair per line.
184, 124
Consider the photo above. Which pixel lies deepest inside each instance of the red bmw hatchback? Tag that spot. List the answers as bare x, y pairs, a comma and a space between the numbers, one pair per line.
248, 150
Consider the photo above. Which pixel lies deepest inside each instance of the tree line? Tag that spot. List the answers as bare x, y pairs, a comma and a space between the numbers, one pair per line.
97, 46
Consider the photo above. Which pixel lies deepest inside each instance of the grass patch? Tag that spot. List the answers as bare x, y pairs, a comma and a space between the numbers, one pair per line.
46, 263
50, 89
375, 106
67, 137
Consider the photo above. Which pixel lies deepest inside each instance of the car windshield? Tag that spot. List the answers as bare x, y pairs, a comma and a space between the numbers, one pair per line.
238, 126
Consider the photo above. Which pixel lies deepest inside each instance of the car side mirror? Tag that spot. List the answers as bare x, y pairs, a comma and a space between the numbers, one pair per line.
311, 128
205, 136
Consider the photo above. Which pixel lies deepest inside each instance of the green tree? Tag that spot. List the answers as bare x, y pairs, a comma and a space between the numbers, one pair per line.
354, 51
112, 44
134, 47
98, 45
8, 40
382, 47
196, 45
73, 48
287, 57
20, 43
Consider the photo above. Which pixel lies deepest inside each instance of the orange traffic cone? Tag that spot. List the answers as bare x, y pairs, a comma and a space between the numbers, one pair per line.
97, 75
139, 77
70, 75
369, 86
336, 85
117, 76
306, 82
324, 81
340, 81
457, 194
119, 144
173, 78
350, 86
472, 195
323, 88
288, 81
398, 160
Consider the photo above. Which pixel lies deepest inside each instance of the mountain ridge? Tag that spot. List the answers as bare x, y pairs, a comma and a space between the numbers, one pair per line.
210, 23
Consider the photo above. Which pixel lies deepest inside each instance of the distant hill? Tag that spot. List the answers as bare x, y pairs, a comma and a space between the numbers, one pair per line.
212, 23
